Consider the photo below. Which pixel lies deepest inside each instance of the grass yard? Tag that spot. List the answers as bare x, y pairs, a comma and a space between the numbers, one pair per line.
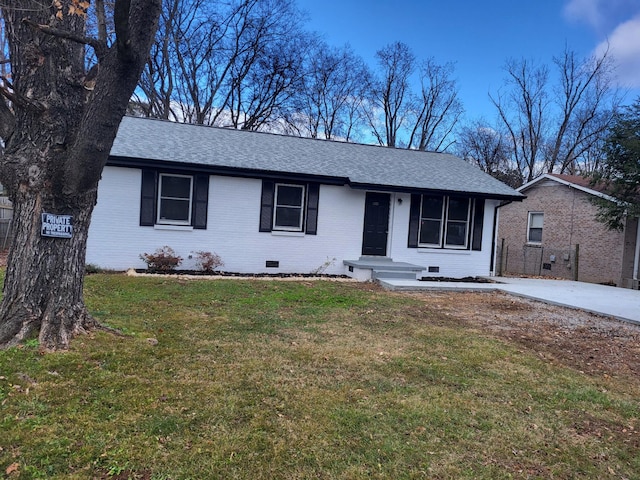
236, 379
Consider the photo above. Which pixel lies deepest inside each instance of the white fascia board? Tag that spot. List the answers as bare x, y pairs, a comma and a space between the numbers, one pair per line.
547, 176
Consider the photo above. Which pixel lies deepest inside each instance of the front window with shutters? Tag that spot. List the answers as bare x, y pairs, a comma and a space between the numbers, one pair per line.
174, 199
288, 207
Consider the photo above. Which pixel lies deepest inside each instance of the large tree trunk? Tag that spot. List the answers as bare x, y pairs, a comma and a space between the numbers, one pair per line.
66, 120
45, 276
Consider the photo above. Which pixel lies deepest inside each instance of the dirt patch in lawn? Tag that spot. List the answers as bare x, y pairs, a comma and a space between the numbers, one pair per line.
593, 344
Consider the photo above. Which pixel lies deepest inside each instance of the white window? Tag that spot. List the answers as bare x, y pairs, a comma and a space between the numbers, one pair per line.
534, 230
288, 207
174, 199
444, 221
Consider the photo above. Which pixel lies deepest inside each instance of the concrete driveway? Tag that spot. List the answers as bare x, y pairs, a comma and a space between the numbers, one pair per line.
620, 303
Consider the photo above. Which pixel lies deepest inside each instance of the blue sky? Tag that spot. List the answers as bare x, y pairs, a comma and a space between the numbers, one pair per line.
478, 36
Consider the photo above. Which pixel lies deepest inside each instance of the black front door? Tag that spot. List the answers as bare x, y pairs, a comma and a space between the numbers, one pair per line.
376, 224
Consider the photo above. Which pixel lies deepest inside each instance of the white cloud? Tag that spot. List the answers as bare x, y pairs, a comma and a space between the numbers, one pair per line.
624, 47
584, 10
601, 15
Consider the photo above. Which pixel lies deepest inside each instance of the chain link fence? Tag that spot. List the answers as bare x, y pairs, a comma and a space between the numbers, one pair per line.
537, 260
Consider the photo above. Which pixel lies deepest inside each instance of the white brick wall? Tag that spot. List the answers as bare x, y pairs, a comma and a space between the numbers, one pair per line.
116, 240
452, 263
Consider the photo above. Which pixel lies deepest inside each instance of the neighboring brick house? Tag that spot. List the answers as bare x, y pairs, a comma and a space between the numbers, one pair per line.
554, 232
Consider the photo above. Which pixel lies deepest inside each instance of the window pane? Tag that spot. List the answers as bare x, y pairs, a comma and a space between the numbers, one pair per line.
535, 235
458, 209
289, 195
430, 232
536, 220
177, 210
432, 207
535, 227
456, 233
175, 187
288, 217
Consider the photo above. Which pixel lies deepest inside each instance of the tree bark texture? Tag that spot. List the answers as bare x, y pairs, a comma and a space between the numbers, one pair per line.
45, 276
65, 126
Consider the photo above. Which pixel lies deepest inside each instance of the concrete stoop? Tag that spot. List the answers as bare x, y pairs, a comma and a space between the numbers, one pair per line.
380, 268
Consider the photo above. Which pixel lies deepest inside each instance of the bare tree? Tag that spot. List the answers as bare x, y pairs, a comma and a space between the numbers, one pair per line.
438, 108
552, 127
334, 85
523, 113
390, 94
232, 64
266, 77
586, 108
488, 148
189, 61
65, 119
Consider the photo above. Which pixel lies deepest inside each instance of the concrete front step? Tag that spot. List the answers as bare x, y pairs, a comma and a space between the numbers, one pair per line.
382, 263
375, 268
397, 274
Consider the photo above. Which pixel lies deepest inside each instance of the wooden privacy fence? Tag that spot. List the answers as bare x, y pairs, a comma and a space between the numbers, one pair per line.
538, 260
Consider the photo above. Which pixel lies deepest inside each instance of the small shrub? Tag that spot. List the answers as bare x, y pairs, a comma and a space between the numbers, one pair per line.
322, 268
162, 260
207, 261
90, 268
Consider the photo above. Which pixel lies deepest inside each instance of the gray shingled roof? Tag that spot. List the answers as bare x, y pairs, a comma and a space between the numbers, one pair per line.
147, 139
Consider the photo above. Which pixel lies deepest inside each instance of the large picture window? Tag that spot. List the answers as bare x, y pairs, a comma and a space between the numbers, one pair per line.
174, 199
288, 207
444, 221
440, 221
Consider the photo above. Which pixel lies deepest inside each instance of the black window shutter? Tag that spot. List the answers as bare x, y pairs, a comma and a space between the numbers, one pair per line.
266, 205
414, 220
478, 218
200, 201
313, 195
148, 198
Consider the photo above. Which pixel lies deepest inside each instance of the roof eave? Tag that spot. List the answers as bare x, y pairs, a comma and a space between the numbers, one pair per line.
402, 189
135, 162
561, 181
130, 162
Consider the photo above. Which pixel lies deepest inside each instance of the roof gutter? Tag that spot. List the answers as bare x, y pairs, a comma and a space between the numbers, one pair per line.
403, 189
129, 162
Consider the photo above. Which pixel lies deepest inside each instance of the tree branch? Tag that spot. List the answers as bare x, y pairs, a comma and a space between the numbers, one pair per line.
7, 121
13, 97
121, 25
98, 46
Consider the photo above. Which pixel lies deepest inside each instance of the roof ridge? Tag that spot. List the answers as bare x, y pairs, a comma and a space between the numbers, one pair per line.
285, 135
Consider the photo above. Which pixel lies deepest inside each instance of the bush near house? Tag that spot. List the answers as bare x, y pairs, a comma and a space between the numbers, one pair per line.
164, 259
207, 262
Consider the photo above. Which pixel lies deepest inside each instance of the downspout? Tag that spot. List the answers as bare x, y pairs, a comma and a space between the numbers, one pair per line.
494, 246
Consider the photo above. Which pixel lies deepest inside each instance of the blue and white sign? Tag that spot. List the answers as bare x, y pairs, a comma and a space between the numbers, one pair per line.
58, 226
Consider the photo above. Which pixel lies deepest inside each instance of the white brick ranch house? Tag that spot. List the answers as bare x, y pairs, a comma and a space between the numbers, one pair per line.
269, 203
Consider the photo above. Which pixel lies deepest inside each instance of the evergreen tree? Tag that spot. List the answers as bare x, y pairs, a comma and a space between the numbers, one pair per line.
621, 171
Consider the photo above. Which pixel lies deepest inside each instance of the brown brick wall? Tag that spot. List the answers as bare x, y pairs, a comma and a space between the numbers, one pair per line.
569, 219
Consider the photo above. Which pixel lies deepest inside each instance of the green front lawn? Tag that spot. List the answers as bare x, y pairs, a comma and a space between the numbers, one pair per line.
295, 380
